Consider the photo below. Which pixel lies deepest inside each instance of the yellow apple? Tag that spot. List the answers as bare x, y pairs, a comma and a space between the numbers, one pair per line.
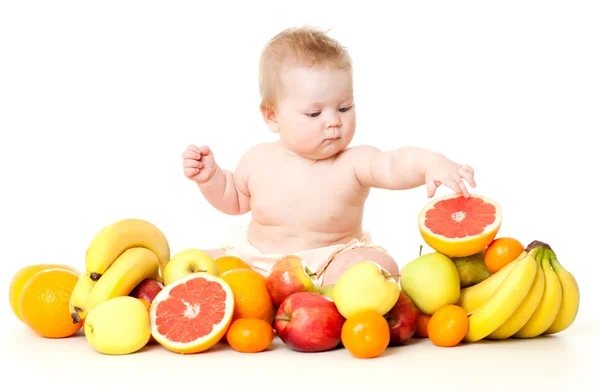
118, 326
365, 286
189, 261
327, 290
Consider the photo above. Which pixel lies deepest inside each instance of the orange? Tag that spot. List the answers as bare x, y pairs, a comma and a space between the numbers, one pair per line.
251, 296
21, 278
501, 252
248, 335
448, 326
230, 262
145, 302
191, 314
422, 322
44, 303
366, 334
457, 226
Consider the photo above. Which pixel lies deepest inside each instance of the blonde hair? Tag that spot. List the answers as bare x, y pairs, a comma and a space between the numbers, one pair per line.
303, 45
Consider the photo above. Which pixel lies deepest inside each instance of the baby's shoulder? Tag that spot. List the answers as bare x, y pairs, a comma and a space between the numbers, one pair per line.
357, 154
257, 153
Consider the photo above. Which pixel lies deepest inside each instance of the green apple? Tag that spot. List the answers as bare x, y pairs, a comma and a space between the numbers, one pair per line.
327, 290
118, 326
189, 261
365, 286
431, 281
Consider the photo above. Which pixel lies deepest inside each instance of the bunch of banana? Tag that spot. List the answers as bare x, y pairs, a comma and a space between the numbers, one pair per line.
119, 257
531, 296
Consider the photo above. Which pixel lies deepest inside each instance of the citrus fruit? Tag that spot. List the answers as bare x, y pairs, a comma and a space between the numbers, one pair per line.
230, 262
252, 299
191, 314
23, 275
501, 252
421, 327
248, 335
44, 303
448, 326
457, 226
366, 334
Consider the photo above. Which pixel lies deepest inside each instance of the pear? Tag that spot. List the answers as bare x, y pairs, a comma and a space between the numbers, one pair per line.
365, 286
471, 269
431, 281
118, 326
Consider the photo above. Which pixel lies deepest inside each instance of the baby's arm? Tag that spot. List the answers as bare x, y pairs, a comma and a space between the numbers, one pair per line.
227, 191
400, 169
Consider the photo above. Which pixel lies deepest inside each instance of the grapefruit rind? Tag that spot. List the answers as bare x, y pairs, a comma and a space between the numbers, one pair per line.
465, 246
203, 343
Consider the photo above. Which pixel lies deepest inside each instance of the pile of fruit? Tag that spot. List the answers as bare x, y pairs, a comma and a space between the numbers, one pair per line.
474, 286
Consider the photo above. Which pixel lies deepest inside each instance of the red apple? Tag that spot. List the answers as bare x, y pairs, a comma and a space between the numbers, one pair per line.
147, 289
402, 320
309, 322
290, 274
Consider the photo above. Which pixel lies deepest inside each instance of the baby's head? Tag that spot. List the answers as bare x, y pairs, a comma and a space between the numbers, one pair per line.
306, 90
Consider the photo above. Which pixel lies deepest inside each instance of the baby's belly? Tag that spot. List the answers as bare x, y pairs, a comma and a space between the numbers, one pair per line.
276, 239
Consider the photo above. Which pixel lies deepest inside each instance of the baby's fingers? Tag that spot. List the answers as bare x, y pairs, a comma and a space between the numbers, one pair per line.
205, 150
465, 171
190, 171
192, 163
189, 154
455, 183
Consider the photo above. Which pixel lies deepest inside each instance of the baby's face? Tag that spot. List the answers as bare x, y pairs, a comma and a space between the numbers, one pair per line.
316, 116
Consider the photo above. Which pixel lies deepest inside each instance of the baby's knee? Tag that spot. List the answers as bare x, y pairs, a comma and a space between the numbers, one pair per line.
347, 259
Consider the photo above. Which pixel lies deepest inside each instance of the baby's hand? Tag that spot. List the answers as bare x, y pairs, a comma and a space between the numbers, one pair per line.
199, 163
450, 174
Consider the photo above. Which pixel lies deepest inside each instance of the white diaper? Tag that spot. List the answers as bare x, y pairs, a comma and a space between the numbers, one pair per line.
317, 260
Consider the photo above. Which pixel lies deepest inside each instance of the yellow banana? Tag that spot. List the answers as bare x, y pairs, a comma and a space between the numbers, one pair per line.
527, 307
128, 270
546, 312
112, 240
504, 301
569, 305
79, 296
475, 296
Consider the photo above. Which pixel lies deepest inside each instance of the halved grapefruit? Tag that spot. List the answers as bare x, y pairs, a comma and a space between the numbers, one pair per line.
457, 226
191, 314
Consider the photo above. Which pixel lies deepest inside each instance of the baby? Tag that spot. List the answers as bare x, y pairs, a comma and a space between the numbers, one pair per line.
307, 191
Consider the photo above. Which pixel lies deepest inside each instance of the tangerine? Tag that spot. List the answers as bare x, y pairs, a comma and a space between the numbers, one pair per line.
422, 323
44, 303
248, 335
501, 252
366, 334
250, 293
448, 326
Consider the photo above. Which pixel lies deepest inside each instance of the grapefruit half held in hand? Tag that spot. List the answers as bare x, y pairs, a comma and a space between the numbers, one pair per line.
191, 314
457, 226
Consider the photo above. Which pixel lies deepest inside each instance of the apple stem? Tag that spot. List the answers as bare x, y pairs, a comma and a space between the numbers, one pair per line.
420, 249
283, 317
312, 274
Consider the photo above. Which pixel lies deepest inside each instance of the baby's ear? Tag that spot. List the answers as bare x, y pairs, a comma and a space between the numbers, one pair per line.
270, 118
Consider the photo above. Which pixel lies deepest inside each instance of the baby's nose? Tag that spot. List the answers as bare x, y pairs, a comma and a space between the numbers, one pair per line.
334, 122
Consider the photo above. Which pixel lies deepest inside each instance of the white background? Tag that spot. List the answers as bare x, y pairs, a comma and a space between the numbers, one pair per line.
99, 99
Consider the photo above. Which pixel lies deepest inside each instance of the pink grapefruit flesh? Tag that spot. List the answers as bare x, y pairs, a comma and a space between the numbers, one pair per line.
191, 314
457, 226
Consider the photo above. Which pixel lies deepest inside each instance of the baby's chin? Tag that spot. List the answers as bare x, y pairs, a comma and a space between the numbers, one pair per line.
323, 152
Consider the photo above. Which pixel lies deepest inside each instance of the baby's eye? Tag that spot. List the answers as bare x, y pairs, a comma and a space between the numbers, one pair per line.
314, 114
344, 109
